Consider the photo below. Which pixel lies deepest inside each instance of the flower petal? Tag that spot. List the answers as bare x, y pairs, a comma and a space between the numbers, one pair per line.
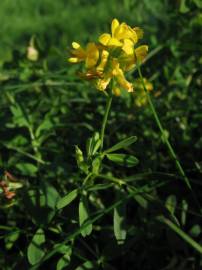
115, 24
104, 39
92, 55
103, 61
114, 42
123, 82
74, 60
102, 84
125, 32
76, 45
128, 46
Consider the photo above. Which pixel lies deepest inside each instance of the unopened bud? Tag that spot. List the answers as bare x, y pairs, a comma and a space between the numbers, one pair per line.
32, 54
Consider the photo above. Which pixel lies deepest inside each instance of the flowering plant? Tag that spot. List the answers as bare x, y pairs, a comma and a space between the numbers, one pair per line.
106, 64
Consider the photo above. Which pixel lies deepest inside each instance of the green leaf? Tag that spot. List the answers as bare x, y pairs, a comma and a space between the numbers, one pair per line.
119, 224
183, 7
195, 230
18, 140
65, 259
87, 265
100, 187
141, 201
67, 199
184, 212
20, 117
41, 203
83, 217
35, 252
123, 159
198, 3
89, 147
63, 262
63, 249
11, 238
93, 144
123, 144
46, 125
27, 168
96, 164
171, 203
96, 147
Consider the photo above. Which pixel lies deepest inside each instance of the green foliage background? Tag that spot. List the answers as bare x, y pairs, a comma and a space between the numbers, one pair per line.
46, 110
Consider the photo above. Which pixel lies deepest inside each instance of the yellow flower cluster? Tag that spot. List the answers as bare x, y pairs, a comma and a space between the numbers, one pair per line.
111, 57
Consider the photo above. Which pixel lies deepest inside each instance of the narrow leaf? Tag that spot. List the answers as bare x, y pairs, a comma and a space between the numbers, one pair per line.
35, 252
122, 144
87, 266
64, 261
83, 216
93, 144
184, 212
123, 159
27, 168
119, 224
171, 203
67, 199
96, 146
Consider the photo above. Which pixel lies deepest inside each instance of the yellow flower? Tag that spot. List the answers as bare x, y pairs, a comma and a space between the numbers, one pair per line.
111, 57
78, 53
103, 60
102, 84
90, 55
122, 36
116, 73
119, 77
128, 62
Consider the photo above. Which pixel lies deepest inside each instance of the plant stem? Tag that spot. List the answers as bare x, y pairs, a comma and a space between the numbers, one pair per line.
181, 233
104, 122
164, 136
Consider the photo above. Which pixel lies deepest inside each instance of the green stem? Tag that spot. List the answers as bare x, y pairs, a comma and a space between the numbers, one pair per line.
181, 233
86, 179
163, 134
104, 122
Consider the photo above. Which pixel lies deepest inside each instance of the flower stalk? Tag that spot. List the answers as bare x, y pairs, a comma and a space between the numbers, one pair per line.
163, 134
104, 122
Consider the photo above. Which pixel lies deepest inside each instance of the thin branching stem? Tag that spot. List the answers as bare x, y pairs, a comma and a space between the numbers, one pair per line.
104, 122
163, 133
181, 233
166, 140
